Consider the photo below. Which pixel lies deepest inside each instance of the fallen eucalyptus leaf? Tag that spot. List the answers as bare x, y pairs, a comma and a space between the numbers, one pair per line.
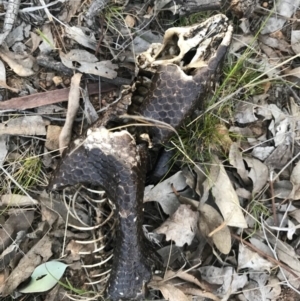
27, 125
164, 194
225, 196
209, 220
88, 63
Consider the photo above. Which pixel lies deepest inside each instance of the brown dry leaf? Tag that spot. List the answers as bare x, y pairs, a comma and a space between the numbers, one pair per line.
129, 21
17, 200
169, 291
20, 221
69, 11
35, 41
163, 193
38, 254
262, 286
279, 157
88, 63
3, 78
73, 105
81, 37
259, 174
181, 226
209, 220
225, 279
225, 196
245, 113
252, 260
27, 125
60, 209
184, 275
20, 64
48, 42
236, 160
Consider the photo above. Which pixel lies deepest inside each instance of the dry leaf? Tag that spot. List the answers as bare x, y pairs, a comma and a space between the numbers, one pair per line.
38, 254
3, 78
251, 260
286, 9
209, 220
236, 160
226, 277
261, 287
129, 21
245, 113
17, 200
27, 125
181, 226
262, 153
164, 194
226, 197
259, 174
48, 42
88, 63
20, 64
170, 292
80, 36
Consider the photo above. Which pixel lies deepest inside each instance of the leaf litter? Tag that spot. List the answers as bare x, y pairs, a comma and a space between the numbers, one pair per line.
227, 226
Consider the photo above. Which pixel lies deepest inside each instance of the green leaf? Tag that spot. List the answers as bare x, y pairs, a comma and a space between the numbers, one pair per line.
44, 277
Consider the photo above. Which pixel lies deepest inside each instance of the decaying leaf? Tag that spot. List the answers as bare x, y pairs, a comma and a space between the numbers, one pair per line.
20, 221
78, 34
48, 41
226, 197
39, 253
228, 280
236, 160
88, 63
170, 292
245, 113
283, 189
209, 220
17, 200
69, 11
251, 260
259, 174
261, 152
261, 287
27, 125
181, 226
3, 78
164, 194
285, 9
20, 64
